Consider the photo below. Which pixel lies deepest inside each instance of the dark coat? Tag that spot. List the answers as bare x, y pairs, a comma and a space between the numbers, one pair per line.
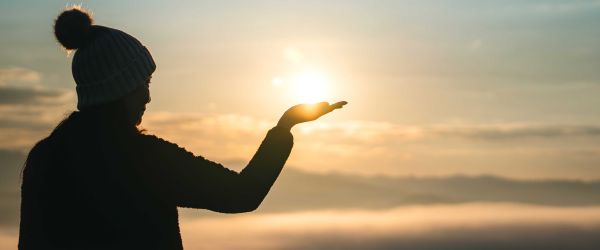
92, 186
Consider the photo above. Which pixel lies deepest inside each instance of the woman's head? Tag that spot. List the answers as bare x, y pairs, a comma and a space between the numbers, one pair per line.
109, 65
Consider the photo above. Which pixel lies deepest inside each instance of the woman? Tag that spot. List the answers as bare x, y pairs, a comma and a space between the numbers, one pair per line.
96, 182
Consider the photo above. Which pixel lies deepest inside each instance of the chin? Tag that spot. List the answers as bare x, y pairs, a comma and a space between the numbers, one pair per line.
139, 117
138, 121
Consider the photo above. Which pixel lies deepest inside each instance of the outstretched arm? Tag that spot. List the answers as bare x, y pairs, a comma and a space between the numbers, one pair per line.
192, 181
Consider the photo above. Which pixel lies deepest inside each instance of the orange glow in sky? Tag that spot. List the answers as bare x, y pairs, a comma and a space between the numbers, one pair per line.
305, 87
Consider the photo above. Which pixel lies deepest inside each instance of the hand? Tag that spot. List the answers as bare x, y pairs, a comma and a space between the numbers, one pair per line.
307, 112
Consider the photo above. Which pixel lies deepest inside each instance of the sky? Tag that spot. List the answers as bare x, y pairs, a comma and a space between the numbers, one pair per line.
436, 89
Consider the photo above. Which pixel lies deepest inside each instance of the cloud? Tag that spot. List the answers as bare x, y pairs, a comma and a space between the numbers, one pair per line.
466, 226
8, 240
18, 75
523, 150
21, 86
303, 191
29, 95
369, 131
27, 120
23, 125
28, 110
516, 131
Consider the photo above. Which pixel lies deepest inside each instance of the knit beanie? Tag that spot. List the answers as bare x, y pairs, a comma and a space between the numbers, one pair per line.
108, 63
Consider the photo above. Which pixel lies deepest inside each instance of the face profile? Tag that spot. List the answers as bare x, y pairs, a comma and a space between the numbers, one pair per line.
135, 103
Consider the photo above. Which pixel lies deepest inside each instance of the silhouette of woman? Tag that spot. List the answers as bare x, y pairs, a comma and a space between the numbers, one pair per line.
97, 182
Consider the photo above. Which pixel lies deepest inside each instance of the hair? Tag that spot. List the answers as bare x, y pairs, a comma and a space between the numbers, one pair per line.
73, 27
110, 116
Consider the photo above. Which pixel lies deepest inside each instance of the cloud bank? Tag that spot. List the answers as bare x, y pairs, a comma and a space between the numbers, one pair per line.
12, 75
28, 95
467, 226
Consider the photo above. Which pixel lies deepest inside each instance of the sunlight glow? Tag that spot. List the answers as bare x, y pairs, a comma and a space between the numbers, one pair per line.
277, 82
310, 87
293, 55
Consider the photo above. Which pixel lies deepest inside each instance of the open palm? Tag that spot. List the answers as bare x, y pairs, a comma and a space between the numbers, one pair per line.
307, 112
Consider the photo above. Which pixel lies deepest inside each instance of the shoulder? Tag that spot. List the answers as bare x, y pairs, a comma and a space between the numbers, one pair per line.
155, 141
38, 156
41, 147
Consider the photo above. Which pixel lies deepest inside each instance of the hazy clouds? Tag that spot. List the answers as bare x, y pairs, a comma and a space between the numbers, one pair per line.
468, 226
29, 108
16, 74
21, 86
516, 150
20, 95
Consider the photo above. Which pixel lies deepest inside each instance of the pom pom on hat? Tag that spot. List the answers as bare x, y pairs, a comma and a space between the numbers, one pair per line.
72, 28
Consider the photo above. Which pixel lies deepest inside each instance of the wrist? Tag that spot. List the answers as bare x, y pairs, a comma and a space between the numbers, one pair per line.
285, 125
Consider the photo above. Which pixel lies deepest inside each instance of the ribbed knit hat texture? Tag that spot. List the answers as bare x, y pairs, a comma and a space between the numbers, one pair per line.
108, 63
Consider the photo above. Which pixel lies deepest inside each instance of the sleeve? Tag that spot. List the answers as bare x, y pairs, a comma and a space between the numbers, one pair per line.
192, 181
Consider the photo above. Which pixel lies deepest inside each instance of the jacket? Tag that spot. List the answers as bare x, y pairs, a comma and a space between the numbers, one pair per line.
87, 187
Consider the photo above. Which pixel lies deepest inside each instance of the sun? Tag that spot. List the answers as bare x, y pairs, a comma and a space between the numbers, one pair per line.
310, 87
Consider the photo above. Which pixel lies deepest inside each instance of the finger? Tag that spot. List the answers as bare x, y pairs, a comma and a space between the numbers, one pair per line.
339, 105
